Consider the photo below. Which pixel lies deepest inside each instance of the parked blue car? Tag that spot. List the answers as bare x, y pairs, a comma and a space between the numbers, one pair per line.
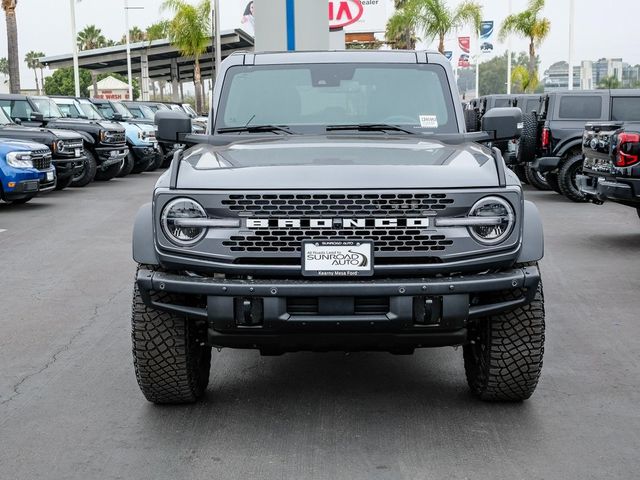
25, 170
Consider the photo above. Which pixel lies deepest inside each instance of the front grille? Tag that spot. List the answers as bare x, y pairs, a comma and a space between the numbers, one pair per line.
353, 306
387, 240
114, 137
332, 205
41, 159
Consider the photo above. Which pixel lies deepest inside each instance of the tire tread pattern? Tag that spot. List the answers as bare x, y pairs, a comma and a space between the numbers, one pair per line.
505, 361
170, 363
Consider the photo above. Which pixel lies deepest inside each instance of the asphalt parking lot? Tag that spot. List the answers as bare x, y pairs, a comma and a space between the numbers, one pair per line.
70, 407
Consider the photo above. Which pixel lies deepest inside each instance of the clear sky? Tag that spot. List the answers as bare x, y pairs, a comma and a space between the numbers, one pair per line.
602, 29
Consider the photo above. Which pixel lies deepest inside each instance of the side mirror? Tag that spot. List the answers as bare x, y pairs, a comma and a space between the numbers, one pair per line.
503, 123
172, 125
36, 117
17, 121
117, 117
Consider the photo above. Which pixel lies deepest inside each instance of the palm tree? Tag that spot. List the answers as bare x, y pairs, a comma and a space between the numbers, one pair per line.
9, 7
530, 25
523, 81
4, 68
135, 35
435, 19
158, 31
32, 59
611, 82
90, 38
190, 32
400, 29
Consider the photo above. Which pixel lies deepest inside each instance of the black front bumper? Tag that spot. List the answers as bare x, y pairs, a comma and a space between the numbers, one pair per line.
108, 156
144, 154
599, 188
68, 167
290, 315
23, 189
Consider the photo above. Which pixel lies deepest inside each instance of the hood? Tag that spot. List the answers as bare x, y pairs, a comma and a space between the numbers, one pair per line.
35, 132
338, 161
19, 145
108, 125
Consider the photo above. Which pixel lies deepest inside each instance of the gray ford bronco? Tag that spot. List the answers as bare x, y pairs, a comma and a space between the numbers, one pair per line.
337, 203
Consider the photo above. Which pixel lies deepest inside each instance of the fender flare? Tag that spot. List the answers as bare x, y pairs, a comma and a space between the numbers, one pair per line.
532, 235
569, 145
143, 240
86, 137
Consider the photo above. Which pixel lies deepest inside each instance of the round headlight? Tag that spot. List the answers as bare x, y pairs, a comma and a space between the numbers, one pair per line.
500, 218
60, 146
183, 208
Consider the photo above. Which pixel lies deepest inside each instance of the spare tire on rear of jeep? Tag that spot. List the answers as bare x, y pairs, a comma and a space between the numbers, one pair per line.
529, 138
472, 120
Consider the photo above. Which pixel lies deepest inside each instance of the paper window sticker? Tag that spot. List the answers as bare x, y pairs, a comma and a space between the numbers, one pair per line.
428, 121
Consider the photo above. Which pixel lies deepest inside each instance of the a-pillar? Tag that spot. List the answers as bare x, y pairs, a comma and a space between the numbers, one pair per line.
144, 77
175, 81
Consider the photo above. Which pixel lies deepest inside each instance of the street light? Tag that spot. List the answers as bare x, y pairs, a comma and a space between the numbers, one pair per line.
126, 20
74, 38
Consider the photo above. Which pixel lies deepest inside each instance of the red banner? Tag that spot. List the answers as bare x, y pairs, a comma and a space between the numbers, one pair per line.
465, 44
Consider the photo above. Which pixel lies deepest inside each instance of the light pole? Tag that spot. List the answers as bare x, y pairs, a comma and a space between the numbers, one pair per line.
216, 21
126, 21
509, 57
571, 15
74, 38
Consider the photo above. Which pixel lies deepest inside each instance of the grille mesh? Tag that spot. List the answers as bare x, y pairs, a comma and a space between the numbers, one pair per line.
115, 137
41, 159
332, 205
387, 240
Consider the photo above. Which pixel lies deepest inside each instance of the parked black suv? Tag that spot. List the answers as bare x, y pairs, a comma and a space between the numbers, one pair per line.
560, 127
611, 168
104, 142
67, 147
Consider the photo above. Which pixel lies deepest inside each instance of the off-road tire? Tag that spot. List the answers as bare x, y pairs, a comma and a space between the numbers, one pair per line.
127, 165
552, 181
567, 178
519, 170
156, 164
535, 179
472, 120
110, 172
503, 360
88, 173
141, 167
171, 363
528, 143
61, 184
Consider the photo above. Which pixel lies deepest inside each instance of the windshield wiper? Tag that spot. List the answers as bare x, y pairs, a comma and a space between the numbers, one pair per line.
255, 129
370, 127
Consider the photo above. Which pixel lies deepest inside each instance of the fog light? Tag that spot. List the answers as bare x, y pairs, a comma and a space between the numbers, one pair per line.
11, 184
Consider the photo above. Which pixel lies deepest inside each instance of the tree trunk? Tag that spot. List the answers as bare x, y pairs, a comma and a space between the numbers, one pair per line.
441, 44
35, 72
12, 43
42, 79
94, 81
532, 60
197, 81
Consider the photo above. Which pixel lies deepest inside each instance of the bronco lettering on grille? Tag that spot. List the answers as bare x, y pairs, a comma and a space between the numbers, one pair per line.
415, 222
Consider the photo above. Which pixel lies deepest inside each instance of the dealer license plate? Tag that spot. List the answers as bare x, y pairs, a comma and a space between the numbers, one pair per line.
49, 176
337, 258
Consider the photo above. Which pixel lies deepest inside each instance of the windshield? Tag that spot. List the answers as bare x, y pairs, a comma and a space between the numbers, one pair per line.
48, 108
189, 110
122, 110
4, 118
69, 109
90, 111
141, 111
308, 98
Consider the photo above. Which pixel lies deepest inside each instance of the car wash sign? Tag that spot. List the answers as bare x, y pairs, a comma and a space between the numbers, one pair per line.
360, 16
